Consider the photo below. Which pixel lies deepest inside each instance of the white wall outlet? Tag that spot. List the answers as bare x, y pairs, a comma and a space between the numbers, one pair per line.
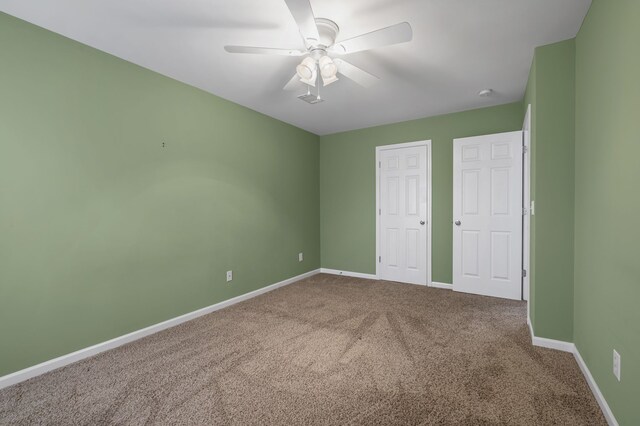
616, 364
533, 208
300, 257
229, 275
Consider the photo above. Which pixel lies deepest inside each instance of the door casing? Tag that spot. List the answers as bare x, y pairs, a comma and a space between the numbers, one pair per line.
526, 205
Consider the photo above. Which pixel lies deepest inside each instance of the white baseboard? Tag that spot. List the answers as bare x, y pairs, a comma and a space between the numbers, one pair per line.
608, 414
348, 273
441, 285
543, 342
571, 347
558, 345
36, 370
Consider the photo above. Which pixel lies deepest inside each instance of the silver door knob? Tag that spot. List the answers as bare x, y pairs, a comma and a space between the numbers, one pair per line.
458, 223
422, 222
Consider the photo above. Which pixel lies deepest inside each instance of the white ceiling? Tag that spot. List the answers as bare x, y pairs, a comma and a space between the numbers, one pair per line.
459, 47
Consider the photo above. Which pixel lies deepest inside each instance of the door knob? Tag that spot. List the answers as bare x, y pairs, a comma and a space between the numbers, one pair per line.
458, 223
422, 222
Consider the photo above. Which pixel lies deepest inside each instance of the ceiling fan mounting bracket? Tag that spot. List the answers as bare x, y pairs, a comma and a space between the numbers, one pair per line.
328, 31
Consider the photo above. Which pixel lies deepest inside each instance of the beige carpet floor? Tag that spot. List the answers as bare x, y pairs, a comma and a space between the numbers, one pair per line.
326, 350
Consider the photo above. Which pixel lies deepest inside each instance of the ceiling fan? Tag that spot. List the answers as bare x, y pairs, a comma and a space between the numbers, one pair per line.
319, 36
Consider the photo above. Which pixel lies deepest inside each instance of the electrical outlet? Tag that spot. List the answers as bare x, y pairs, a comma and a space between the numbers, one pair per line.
616, 364
300, 257
532, 209
229, 275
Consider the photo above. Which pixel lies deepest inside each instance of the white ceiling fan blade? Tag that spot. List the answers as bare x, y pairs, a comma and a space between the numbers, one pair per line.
303, 15
263, 50
399, 33
293, 84
356, 74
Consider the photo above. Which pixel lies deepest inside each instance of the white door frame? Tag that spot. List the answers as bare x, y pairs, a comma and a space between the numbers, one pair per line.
527, 206
379, 149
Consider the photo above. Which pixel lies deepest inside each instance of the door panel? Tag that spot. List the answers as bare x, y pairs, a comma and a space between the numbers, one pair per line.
403, 214
487, 214
500, 181
393, 198
500, 255
470, 188
470, 253
392, 247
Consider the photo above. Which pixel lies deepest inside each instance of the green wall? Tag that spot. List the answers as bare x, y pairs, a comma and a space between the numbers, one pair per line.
607, 257
585, 96
347, 184
104, 231
551, 92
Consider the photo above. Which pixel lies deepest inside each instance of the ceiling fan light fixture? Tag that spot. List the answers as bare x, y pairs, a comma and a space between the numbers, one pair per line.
328, 69
306, 69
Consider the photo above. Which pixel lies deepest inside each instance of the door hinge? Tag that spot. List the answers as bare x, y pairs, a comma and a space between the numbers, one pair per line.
524, 211
524, 273
379, 164
379, 212
379, 259
525, 149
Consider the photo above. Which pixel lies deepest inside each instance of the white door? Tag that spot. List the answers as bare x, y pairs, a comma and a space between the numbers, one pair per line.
487, 214
403, 214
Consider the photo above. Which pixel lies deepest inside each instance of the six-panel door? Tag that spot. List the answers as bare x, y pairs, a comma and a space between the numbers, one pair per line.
487, 215
403, 214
